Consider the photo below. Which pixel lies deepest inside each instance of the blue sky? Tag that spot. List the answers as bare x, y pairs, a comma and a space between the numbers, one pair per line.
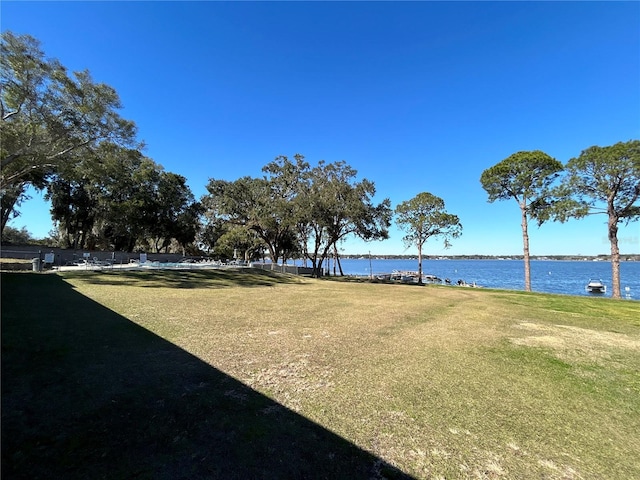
417, 96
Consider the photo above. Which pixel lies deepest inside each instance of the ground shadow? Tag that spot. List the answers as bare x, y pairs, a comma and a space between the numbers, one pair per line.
203, 278
88, 394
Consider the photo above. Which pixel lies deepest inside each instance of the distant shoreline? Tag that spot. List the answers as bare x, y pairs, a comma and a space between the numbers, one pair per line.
634, 257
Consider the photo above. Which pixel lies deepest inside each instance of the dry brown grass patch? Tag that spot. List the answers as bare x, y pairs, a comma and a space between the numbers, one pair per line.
572, 343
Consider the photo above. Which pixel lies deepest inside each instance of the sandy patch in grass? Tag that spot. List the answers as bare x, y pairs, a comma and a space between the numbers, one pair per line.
291, 381
572, 343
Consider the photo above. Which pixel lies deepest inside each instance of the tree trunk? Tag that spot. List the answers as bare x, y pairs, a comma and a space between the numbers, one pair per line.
525, 242
314, 257
419, 263
272, 253
8, 202
315, 272
336, 257
615, 257
7, 208
320, 266
131, 244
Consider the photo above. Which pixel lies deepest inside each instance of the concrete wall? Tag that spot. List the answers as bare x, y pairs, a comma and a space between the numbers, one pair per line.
65, 256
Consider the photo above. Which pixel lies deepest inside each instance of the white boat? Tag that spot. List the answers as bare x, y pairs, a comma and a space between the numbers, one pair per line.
596, 286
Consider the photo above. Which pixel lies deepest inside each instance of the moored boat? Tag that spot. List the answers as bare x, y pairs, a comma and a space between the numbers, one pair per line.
596, 286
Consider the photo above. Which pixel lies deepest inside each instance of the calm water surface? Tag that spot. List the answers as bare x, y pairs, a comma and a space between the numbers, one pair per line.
551, 276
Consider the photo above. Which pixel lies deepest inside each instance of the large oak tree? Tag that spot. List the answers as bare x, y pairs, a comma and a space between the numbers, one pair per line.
335, 205
47, 114
116, 198
297, 208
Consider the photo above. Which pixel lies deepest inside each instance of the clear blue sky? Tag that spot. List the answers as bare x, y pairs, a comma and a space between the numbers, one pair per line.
417, 96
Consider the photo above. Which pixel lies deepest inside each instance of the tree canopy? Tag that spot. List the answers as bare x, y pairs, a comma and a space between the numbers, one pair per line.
525, 177
254, 205
298, 209
46, 114
116, 198
602, 180
424, 217
334, 205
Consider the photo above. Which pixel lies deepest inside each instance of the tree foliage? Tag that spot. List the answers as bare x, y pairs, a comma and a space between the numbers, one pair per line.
47, 114
14, 236
602, 180
424, 217
335, 205
116, 198
527, 178
296, 209
174, 212
247, 202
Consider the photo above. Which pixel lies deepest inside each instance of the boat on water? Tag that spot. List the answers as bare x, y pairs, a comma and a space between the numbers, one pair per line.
596, 286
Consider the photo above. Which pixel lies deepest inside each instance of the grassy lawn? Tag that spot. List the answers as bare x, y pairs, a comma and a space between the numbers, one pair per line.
220, 374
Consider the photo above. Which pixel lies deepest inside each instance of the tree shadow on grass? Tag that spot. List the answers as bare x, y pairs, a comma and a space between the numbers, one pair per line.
205, 278
88, 394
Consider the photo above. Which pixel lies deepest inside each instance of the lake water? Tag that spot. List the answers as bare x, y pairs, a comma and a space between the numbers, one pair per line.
551, 276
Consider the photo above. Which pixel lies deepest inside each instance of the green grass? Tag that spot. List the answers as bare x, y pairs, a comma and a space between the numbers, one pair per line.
221, 374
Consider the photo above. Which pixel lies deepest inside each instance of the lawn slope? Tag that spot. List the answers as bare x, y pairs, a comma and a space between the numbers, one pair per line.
228, 371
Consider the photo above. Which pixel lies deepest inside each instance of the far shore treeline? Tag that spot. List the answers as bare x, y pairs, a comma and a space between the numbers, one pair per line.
62, 134
577, 258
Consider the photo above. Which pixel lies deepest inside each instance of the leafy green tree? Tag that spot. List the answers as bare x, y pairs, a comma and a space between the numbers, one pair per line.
187, 226
244, 203
13, 236
213, 226
334, 205
294, 209
239, 240
74, 208
74, 191
174, 212
266, 206
424, 217
286, 179
525, 177
129, 209
80, 193
11, 197
115, 198
47, 114
602, 180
